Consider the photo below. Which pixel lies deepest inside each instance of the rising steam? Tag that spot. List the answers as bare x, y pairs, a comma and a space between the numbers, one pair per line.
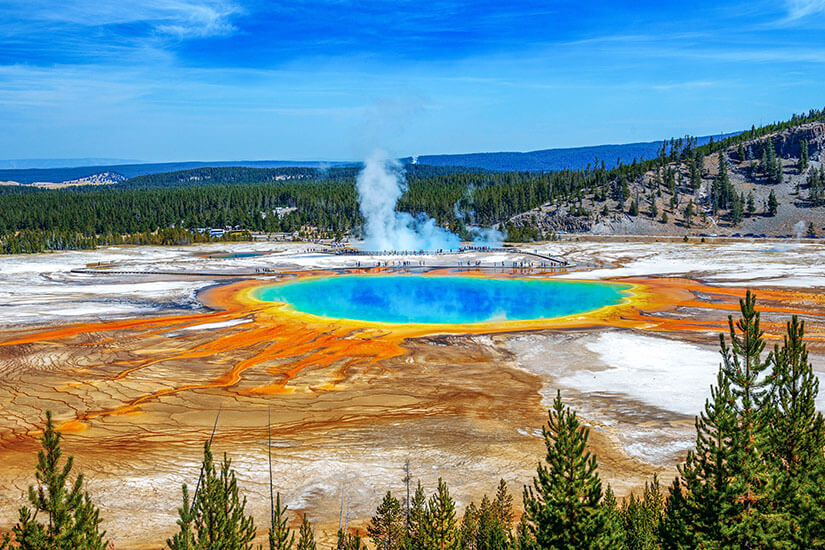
380, 184
799, 229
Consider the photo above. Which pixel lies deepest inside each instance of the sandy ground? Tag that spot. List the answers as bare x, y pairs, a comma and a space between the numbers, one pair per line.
468, 408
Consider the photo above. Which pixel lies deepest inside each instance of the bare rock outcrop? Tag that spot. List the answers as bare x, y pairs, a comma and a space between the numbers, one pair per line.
786, 143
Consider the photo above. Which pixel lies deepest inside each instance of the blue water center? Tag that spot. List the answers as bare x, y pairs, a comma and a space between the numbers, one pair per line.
441, 300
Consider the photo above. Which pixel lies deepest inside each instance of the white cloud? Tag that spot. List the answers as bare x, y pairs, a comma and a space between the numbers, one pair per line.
799, 9
179, 18
198, 19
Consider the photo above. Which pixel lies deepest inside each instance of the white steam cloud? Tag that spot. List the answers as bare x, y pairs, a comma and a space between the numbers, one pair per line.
800, 228
482, 236
380, 184
487, 236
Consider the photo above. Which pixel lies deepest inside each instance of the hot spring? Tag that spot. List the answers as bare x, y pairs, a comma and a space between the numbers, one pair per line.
441, 299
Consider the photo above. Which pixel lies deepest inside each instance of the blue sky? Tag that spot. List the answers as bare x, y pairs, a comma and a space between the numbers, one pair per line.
164, 80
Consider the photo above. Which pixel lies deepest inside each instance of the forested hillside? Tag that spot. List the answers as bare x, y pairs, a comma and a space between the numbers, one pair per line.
768, 181
761, 181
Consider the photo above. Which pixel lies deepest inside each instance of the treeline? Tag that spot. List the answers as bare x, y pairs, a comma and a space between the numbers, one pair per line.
327, 204
753, 480
33, 241
327, 200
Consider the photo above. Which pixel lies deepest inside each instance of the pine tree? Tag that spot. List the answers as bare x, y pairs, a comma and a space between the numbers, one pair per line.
386, 529
491, 534
73, 520
416, 536
737, 211
184, 539
614, 521
217, 518
642, 517
695, 504
469, 528
281, 536
796, 437
676, 530
442, 527
770, 163
753, 521
562, 509
773, 204
690, 210
503, 505
802, 165
306, 537
353, 542
728, 498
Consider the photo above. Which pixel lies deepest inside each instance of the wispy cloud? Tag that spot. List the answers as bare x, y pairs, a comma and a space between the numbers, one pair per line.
800, 9
199, 19
179, 18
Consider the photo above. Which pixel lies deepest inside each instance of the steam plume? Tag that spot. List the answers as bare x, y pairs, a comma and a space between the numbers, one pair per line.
799, 228
380, 184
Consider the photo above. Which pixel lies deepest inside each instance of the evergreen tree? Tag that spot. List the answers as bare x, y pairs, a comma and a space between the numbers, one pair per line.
802, 165
737, 211
695, 505
306, 537
614, 521
281, 536
353, 542
216, 520
641, 518
728, 491
469, 528
676, 530
416, 536
690, 211
503, 505
754, 523
751, 205
773, 204
482, 528
73, 521
184, 539
491, 534
386, 529
562, 509
772, 166
442, 526
796, 438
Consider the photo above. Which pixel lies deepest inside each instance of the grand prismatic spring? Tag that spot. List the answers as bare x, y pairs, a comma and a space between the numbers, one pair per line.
441, 300
448, 362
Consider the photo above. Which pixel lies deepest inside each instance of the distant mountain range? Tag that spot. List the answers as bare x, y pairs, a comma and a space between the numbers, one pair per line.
545, 160
550, 160
58, 175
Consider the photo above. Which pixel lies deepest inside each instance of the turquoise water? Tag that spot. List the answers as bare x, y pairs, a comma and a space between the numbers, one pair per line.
441, 300
238, 255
